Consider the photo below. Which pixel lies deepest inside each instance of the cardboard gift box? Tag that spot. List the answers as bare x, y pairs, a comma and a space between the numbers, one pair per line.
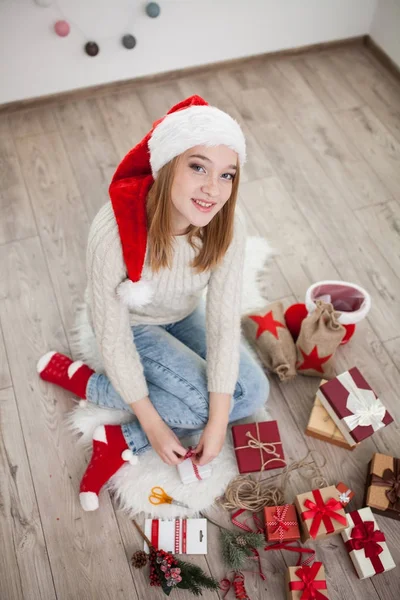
322, 426
321, 513
258, 447
281, 523
179, 536
366, 544
306, 582
383, 486
353, 406
189, 472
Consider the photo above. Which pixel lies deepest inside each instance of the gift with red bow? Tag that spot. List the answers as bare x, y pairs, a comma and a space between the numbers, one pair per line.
281, 523
306, 583
366, 544
321, 513
383, 486
189, 472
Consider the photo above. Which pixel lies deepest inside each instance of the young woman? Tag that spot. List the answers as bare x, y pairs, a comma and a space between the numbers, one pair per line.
170, 230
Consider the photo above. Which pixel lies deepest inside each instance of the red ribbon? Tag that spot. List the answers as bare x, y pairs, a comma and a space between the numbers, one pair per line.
189, 454
238, 586
291, 548
364, 537
308, 584
322, 511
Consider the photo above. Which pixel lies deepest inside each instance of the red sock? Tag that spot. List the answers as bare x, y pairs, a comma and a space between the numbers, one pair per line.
110, 451
61, 370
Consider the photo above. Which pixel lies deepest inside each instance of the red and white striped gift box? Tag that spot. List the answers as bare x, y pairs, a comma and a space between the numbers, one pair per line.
179, 536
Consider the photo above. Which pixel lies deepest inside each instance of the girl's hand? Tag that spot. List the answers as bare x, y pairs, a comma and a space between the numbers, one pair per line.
211, 442
164, 441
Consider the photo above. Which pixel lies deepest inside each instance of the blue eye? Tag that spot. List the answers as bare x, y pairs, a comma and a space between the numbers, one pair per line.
228, 176
197, 168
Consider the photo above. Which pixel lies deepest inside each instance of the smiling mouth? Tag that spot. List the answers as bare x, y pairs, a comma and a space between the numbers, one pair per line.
203, 205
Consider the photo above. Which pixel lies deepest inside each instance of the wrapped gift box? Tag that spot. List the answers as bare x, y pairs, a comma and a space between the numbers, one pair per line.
366, 544
189, 472
383, 486
258, 446
322, 427
353, 406
345, 494
179, 536
306, 582
321, 513
281, 523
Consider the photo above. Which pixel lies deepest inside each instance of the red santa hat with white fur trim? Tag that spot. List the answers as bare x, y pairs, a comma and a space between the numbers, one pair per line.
190, 123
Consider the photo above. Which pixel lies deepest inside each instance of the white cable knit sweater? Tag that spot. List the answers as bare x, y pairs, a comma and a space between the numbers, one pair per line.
176, 294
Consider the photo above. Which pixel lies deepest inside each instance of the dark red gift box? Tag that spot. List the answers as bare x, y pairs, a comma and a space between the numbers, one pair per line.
258, 447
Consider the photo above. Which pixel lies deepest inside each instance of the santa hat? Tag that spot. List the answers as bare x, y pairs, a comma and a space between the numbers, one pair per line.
190, 123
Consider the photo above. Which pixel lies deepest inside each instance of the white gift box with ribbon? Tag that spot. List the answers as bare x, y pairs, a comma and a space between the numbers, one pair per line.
190, 472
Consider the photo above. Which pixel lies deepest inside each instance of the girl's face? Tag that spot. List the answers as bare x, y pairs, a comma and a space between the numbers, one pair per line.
201, 186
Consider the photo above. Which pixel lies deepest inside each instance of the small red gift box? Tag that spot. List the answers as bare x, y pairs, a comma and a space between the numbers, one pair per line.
258, 446
353, 406
345, 494
281, 523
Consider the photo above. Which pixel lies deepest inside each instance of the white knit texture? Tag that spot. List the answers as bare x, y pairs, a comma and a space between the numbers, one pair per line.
176, 294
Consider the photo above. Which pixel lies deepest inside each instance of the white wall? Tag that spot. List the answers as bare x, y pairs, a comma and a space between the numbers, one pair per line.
35, 62
385, 29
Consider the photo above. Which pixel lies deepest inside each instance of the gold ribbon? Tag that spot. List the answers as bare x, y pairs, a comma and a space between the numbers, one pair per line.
267, 447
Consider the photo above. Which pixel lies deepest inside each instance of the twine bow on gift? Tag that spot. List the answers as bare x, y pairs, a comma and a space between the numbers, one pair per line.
391, 480
363, 537
279, 523
268, 447
322, 511
367, 409
308, 584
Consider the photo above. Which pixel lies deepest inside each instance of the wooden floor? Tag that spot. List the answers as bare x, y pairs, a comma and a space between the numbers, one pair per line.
322, 184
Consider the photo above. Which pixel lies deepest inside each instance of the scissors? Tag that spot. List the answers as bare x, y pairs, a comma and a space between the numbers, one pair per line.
159, 496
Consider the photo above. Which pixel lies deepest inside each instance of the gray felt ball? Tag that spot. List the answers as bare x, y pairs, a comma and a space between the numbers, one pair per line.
153, 9
128, 41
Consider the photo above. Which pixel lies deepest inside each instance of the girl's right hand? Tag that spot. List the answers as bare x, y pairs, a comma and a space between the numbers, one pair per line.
164, 441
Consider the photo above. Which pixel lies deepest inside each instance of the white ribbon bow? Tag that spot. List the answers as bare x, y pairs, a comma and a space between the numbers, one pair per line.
367, 410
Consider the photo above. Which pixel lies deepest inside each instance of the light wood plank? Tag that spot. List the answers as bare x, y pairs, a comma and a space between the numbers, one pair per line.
24, 567
89, 544
340, 159
377, 144
32, 122
60, 215
393, 349
90, 150
17, 221
352, 252
5, 377
373, 83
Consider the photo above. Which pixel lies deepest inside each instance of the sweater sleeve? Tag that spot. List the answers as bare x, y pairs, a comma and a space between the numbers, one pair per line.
223, 311
110, 318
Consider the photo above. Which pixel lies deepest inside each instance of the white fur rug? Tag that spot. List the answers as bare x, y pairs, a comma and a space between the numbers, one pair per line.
131, 485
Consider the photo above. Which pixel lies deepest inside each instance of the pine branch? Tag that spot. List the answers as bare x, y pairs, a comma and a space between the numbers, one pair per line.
194, 578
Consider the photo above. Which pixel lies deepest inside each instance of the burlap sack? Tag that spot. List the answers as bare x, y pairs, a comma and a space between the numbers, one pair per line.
267, 332
320, 335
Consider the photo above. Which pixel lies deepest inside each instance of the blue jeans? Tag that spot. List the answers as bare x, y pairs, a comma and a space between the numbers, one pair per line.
173, 358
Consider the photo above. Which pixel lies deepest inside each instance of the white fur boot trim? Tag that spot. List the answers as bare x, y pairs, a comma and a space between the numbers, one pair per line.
73, 367
44, 361
129, 457
99, 434
82, 403
89, 501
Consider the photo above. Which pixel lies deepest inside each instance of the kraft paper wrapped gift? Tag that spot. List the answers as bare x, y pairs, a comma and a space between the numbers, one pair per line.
189, 472
366, 544
322, 427
258, 446
179, 536
354, 406
383, 486
281, 523
321, 513
306, 582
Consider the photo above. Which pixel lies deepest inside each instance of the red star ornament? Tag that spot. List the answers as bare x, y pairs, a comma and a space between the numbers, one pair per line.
312, 361
267, 323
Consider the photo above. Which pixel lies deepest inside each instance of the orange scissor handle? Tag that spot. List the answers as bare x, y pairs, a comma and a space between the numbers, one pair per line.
159, 496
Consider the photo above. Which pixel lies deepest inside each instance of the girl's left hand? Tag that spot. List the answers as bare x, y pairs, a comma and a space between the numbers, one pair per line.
210, 444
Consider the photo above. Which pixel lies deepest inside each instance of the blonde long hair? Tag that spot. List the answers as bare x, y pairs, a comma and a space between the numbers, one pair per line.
214, 239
